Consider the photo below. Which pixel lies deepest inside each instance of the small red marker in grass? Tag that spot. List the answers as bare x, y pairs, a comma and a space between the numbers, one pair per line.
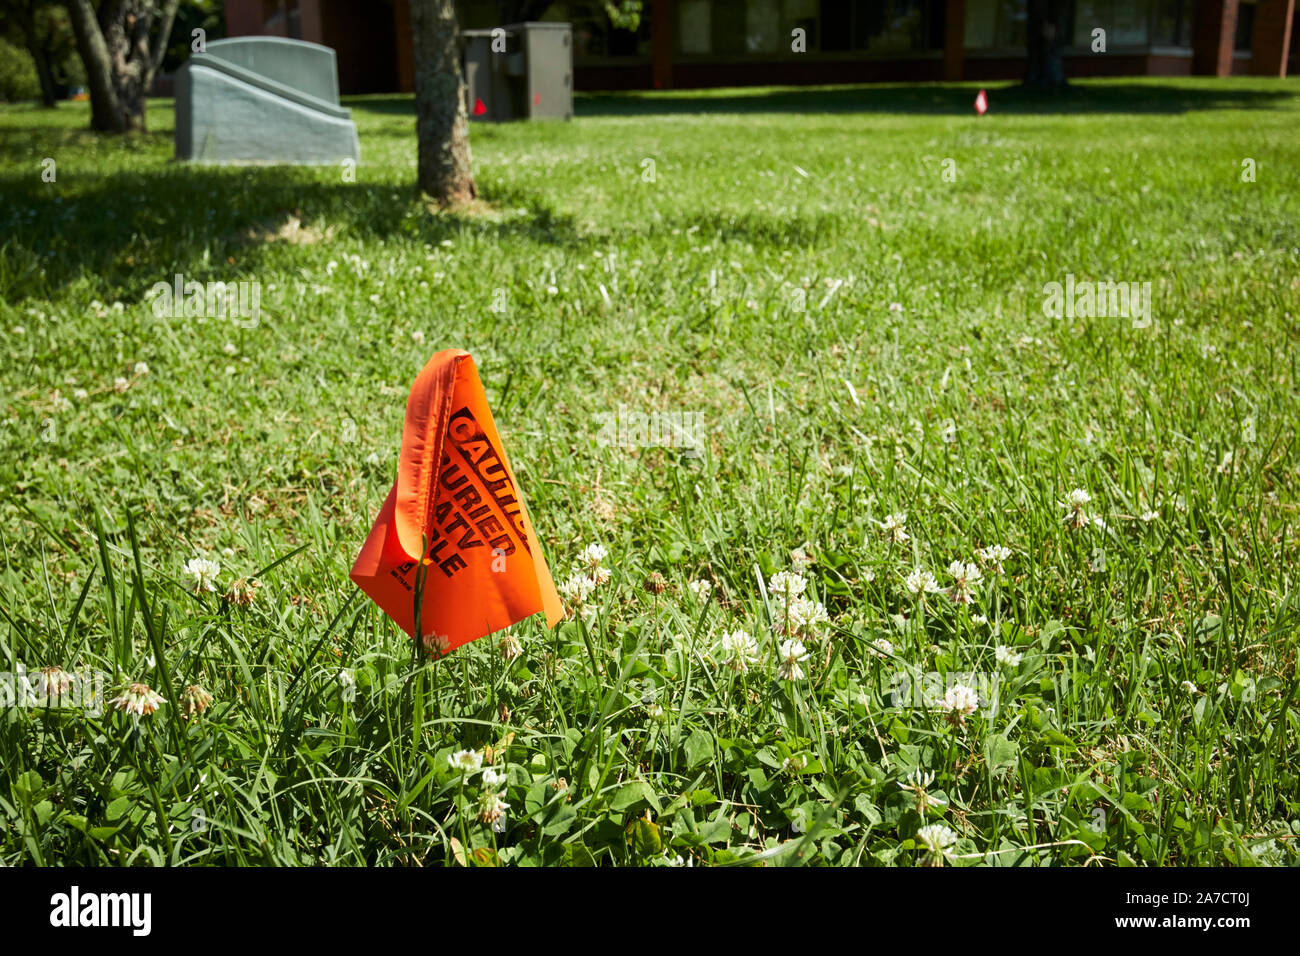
479, 108
981, 103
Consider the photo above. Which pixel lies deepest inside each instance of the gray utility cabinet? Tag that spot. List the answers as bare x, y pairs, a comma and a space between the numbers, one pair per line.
531, 78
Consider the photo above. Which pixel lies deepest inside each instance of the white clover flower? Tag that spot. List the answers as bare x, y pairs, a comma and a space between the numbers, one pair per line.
960, 701
920, 583
701, 589
346, 680
794, 764
896, 526
53, 682
786, 584
1007, 657
1150, 516
1075, 503
194, 700
80, 394
793, 653
741, 650
510, 647
230, 348
918, 779
466, 761
965, 578
138, 699
492, 810
800, 559
993, 556
202, 573
883, 647
140, 368
980, 618
1189, 687
896, 307
492, 777
918, 783
436, 645
417, 337
592, 555
121, 384
800, 617
576, 588
936, 839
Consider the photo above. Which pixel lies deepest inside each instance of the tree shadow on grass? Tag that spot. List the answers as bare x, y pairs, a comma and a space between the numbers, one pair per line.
133, 229
934, 99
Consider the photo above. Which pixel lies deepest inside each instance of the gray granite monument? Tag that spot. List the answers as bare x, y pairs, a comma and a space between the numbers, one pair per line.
263, 100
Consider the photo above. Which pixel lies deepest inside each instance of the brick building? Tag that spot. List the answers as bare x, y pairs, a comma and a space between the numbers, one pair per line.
704, 43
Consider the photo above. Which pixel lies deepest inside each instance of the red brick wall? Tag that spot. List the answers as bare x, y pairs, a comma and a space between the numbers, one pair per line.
405, 47
244, 18
663, 15
954, 39
1271, 37
366, 46
1216, 26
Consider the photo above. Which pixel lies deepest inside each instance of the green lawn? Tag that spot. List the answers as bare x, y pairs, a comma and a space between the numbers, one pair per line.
861, 336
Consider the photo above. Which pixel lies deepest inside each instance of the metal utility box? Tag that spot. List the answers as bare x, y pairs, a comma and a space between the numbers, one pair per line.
520, 71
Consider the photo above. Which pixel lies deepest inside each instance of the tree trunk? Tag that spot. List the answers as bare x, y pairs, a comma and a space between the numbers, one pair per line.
40, 55
44, 72
441, 124
1046, 32
121, 57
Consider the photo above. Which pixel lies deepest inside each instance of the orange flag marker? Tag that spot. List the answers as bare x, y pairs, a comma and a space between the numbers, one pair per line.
456, 505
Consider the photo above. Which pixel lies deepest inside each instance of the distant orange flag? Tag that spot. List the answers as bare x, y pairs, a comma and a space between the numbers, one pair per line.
457, 505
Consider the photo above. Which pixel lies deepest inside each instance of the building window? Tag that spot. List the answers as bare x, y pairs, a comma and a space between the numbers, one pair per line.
1245, 28
892, 26
739, 27
802, 15
1011, 24
1172, 23
766, 27
981, 24
763, 26
694, 26
594, 36
1125, 22
995, 24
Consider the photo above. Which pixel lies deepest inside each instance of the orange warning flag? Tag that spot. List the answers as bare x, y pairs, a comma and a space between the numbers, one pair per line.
457, 505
